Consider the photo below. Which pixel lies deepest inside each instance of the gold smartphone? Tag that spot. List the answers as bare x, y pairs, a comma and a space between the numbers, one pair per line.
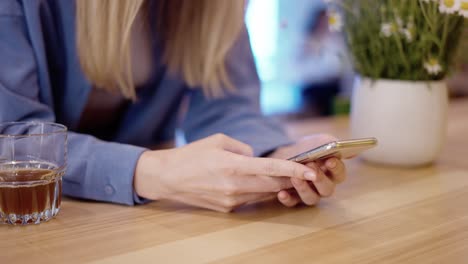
345, 149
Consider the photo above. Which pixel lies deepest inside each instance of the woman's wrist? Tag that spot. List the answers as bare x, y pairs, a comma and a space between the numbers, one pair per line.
147, 174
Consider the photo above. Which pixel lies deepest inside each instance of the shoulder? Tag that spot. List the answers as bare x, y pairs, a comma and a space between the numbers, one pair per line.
35, 7
10, 8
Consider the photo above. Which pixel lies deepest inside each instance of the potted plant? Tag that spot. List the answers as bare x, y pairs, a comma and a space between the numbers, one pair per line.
403, 51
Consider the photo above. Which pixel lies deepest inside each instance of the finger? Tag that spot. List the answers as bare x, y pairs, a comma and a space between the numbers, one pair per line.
231, 145
305, 192
255, 197
276, 168
242, 184
202, 203
288, 199
324, 185
231, 202
336, 169
265, 197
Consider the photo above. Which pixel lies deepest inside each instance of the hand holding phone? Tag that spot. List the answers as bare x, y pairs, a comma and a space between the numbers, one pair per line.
345, 149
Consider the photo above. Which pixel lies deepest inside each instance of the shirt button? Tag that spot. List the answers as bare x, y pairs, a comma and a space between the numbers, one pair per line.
109, 190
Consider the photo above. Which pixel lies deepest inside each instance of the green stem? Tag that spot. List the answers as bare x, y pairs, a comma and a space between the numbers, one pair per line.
435, 8
398, 39
444, 35
402, 52
426, 17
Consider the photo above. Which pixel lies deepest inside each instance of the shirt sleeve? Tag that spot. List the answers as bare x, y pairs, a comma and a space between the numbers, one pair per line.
237, 114
96, 169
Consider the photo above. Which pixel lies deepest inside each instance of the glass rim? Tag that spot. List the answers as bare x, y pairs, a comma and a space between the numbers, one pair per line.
62, 129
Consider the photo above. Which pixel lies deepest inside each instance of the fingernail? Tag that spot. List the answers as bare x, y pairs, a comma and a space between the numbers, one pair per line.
283, 196
331, 163
309, 175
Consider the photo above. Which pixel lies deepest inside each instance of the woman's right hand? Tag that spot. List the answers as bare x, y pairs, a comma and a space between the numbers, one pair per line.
217, 173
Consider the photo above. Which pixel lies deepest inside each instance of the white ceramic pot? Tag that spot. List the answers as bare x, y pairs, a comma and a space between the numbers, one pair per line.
409, 119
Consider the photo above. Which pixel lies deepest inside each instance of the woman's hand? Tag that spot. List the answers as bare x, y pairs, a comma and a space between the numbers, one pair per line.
218, 173
329, 173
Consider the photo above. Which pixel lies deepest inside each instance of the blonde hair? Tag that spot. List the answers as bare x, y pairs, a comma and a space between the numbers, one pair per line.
196, 37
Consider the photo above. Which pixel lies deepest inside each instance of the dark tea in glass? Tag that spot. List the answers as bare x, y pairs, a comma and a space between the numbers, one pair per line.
32, 163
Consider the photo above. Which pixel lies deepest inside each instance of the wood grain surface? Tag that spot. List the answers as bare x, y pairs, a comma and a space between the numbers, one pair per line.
380, 215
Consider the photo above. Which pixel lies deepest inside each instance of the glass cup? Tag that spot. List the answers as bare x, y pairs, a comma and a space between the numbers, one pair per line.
33, 159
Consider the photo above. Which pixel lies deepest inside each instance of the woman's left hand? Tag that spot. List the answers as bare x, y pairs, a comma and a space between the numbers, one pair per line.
330, 172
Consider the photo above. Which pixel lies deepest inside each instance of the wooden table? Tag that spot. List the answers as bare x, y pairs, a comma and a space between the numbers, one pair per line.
380, 215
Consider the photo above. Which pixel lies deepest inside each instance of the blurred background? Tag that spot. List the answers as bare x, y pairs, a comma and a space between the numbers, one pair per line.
304, 68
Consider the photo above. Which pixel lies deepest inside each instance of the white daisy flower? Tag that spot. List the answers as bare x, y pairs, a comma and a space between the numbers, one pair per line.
433, 66
463, 8
335, 21
449, 6
408, 34
399, 22
409, 31
388, 29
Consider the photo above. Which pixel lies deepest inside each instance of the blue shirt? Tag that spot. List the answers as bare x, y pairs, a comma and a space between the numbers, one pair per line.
41, 79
